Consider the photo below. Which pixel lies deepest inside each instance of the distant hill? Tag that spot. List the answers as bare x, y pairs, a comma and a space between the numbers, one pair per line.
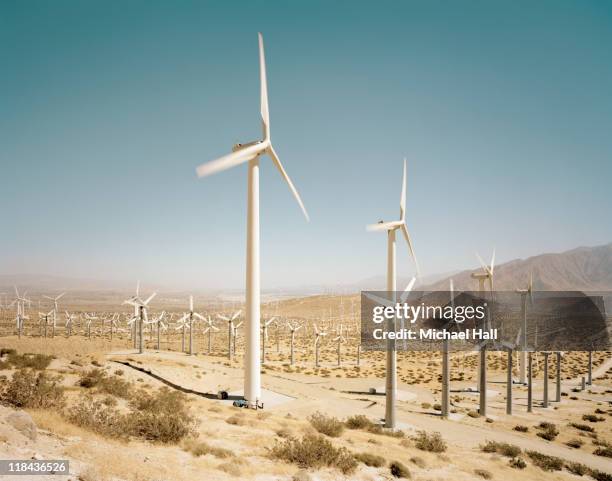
583, 268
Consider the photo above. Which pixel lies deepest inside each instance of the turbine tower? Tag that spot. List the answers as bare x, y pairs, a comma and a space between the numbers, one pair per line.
241, 153
391, 368
526, 294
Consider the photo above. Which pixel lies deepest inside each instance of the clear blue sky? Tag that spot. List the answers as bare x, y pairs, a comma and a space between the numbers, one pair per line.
503, 109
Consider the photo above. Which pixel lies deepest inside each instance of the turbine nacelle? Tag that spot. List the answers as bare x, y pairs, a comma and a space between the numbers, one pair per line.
237, 147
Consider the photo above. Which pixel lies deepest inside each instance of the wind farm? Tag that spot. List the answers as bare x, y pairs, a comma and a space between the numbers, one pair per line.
246, 352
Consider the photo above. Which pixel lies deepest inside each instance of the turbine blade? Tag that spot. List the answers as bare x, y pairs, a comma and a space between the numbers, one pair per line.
265, 114
492, 263
482, 263
408, 289
191, 303
410, 247
230, 160
150, 298
279, 166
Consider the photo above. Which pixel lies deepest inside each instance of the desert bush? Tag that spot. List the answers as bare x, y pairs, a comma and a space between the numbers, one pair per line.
314, 451
548, 431
520, 428
592, 418
38, 362
370, 459
473, 414
545, 462
236, 420
161, 416
583, 427
284, 433
91, 378
93, 414
577, 468
378, 429
600, 475
398, 470
358, 421
505, 449
28, 389
199, 448
574, 443
429, 442
115, 386
605, 451
418, 461
517, 463
483, 473
5, 351
330, 426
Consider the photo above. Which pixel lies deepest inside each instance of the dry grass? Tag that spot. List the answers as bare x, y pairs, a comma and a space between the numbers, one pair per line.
505, 449
370, 459
201, 448
429, 442
545, 462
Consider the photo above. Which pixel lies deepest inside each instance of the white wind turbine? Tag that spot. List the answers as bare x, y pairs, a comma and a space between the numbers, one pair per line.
89, 318
160, 325
485, 275
235, 336
209, 330
188, 316
142, 317
42, 317
264, 328
391, 367
341, 340
293, 328
20, 302
318, 334
241, 153
55, 309
69, 321
230, 330
526, 295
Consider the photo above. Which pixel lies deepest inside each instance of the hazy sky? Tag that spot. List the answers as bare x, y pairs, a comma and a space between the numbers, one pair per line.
503, 109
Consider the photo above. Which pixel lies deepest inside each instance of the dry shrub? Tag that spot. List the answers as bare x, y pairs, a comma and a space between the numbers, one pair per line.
359, 421
583, 427
113, 385
548, 431
429, 442
38, 362
605, 451
162, 416
577, 468
592, 418
600, 475
505, 449
33, 390
378, 429
370, 459
545, 462
327, 425
398, 470
483, 473
517, 463
520, 428
575, 443
199, 448
314, 451
94, 415
418, 461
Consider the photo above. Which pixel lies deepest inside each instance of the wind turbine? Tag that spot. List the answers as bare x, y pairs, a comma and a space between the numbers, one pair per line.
241, 153
230, 330
318, 334
510, 346
69, 320
526, 294
340, 338
55, 309
209, 330
235, 336
189, 316
89, 318
293, 328
485, 275
391, 367
264, 328
19, 303
44, 317
142, 317
158, 321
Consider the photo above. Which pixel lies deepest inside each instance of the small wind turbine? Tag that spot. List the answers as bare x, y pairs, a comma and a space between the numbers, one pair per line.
391, 228
142, 317
241, 153
230, 330
235, 336
341, 339
159, 323
69, 321
526, 295
42, 317
293, 328
89, 318
209, 330
55, 309
318, 334
264, 328
189, 316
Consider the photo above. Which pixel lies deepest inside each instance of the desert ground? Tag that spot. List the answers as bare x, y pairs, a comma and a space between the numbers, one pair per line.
185, 433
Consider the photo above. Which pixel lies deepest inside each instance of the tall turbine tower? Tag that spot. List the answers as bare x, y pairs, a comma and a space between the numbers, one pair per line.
526, 295
241, 153
391, 228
